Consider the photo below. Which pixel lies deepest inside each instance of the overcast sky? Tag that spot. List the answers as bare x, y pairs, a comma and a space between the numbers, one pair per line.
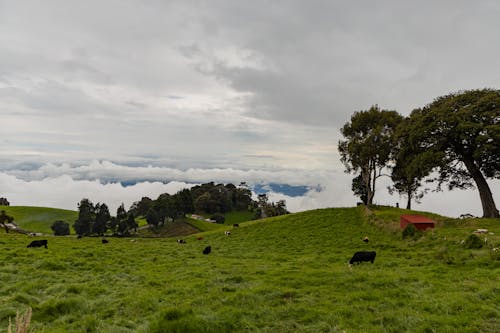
220, 90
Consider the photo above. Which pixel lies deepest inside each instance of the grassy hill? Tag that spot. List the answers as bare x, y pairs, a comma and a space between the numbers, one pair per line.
284, 274
39, 219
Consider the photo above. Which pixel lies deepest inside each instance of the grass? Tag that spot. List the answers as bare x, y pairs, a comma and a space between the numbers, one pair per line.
283, 274
39, 219
238, 217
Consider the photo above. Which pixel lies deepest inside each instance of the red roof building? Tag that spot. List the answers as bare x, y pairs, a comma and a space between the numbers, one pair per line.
420, 222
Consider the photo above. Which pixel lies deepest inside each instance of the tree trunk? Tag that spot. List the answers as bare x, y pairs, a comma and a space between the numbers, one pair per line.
489, 207
373, 183
408, 203
366, 175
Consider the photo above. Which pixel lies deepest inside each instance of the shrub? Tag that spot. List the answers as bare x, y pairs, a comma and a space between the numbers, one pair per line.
411, 232
473, 242
60, 228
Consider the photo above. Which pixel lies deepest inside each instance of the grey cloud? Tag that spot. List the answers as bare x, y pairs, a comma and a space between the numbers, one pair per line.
220, 84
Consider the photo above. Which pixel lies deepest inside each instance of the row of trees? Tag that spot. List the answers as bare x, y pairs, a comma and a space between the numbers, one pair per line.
210, 198
454, 140
265, 208
97, 220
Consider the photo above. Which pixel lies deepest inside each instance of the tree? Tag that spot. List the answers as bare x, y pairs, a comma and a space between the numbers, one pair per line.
205, 203
124, 221
268, 209
140, 208
242, 197
411, 165
4, 202
152, 217
126, 225
461, 132
164, 207
184, 202
60, 228
368, 145
131, 223
102, 218
359, 189
86, 217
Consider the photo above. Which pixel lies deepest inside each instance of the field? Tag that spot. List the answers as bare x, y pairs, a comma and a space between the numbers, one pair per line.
39, 219
284, 274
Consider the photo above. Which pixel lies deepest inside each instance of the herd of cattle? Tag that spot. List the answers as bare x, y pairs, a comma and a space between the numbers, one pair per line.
358, 257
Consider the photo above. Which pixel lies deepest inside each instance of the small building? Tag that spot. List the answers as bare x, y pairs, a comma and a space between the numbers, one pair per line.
419, 221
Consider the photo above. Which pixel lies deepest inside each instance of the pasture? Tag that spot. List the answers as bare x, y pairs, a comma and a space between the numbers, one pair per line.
39, 219
283, 274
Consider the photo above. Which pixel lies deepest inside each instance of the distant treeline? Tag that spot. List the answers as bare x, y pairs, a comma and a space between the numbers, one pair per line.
210, 198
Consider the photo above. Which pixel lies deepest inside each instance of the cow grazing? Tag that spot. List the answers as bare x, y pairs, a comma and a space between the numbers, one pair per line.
39, 243
181, 241
79, 236
207, 250
199, 238
105, 241
363, 256
227, 233
236, 225
366, 239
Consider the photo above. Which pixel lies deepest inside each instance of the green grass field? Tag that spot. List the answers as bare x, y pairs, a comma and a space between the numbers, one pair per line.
39, 219
284, 274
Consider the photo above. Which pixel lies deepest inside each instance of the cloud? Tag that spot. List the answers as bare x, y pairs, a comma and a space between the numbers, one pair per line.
228, 91
106, 171
333, 194
64, 186
65, 192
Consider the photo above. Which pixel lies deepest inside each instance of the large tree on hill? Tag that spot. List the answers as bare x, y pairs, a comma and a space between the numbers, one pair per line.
461, 131
368, 148
4, 202
411, 165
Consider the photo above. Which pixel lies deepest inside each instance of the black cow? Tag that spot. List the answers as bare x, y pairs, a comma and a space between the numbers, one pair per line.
181, 241
363, 256
105, 241
207, 250
79, 237
39, 243
236, 225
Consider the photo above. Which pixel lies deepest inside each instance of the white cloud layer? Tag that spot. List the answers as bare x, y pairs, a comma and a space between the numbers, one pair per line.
64, 186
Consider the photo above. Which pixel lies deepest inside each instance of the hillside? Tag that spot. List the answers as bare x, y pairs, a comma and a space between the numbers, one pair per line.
284, 274
39, 219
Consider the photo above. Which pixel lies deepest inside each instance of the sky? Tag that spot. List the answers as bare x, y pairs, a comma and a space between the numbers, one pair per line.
167, 94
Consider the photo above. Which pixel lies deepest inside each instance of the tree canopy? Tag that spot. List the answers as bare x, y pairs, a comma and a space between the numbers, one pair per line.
460, 135
60, 228
368, 147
